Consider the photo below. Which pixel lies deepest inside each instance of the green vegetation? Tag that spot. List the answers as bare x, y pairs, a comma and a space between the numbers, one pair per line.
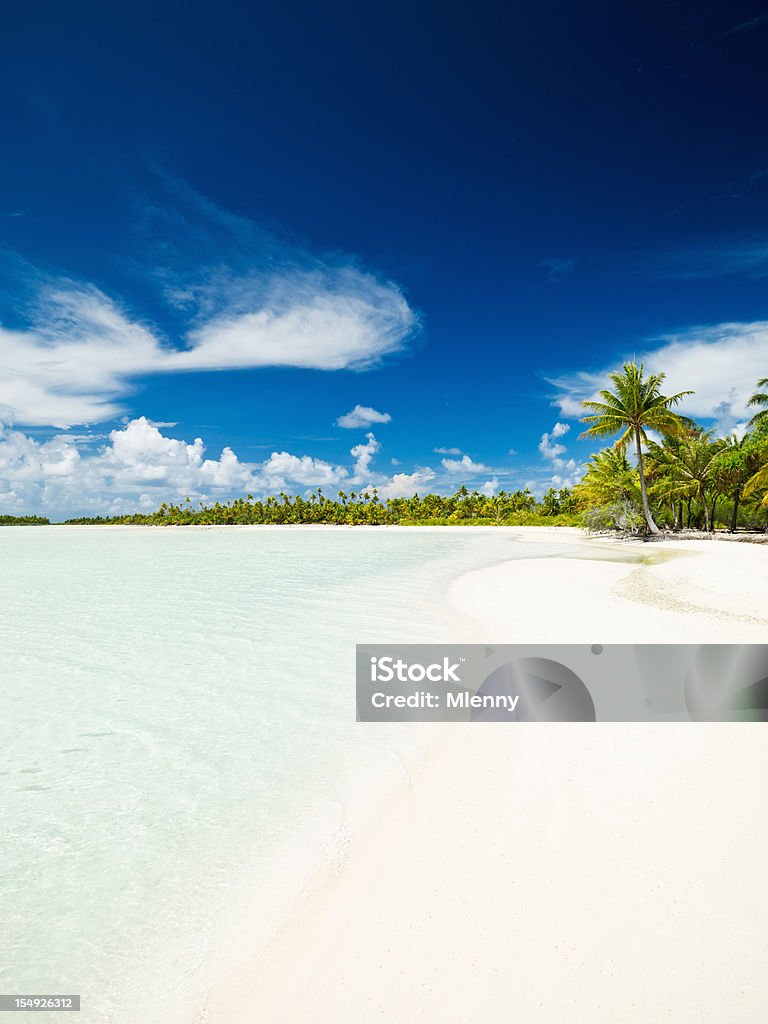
23, 521
688, 479
635, 405
465, 508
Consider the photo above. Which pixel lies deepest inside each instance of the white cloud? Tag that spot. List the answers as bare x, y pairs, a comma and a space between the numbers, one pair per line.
139, 467
282, 467
247, 300
548, 449
490, 487
463, 465
363, 454
568, 472
447, 451
362, 416
405, 485
720, 363
348, 322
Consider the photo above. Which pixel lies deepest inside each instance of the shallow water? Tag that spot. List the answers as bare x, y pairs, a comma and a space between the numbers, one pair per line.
178, 735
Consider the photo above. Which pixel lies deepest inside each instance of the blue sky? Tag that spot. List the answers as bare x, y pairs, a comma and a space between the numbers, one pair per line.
241, 223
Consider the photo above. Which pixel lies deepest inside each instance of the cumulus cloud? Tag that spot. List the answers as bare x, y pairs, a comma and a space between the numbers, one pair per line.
447, 451
139, 467
363, 454
720, 363
548, 449
238, 297
405, 485
569, 474
282, 468
362, 416
490, 487
567, 471
463, 465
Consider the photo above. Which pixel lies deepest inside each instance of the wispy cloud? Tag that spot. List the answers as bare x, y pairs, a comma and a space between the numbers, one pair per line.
447, 451
558, 269
362, 416
747, 259
747, 26
243, 299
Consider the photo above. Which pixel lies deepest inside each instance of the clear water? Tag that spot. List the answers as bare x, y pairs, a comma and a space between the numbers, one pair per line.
178, 740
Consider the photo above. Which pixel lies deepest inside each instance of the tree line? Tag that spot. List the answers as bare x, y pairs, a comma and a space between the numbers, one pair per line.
464, 508
662, 472
23, 521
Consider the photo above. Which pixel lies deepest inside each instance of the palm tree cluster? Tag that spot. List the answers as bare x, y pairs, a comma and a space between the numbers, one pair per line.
465, 508
23, 521
681, 478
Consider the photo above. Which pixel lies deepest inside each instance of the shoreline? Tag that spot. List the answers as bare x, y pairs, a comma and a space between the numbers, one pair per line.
388, 934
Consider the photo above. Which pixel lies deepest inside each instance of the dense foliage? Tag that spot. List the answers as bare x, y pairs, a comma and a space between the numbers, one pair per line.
465, 508
23, 521
687, 479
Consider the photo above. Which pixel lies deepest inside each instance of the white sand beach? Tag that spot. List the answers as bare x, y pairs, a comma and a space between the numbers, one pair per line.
554, 873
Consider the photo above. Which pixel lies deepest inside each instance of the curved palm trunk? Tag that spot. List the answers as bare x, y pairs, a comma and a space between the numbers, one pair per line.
644, 493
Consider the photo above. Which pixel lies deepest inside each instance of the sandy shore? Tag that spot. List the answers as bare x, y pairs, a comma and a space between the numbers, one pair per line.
554, 873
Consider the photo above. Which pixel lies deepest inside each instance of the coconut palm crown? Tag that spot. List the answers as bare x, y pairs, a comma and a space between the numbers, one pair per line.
635, 405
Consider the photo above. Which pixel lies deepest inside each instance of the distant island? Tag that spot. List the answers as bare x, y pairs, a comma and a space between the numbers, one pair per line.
24, 521
682, 478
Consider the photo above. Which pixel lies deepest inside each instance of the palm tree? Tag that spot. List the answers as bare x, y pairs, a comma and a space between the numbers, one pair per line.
687, 468
635, 405
757, 443
736, 463
609, 477
760, 398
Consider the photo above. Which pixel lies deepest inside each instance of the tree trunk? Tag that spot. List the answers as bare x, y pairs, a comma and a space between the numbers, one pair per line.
736, 496
705, 510
688, 517
712, 510
680, 516
646, 507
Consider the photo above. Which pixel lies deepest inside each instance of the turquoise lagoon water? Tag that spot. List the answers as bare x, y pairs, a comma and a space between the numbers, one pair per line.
178, 738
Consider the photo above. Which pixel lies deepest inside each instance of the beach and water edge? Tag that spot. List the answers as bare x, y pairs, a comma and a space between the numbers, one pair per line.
509, 858
254, 853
